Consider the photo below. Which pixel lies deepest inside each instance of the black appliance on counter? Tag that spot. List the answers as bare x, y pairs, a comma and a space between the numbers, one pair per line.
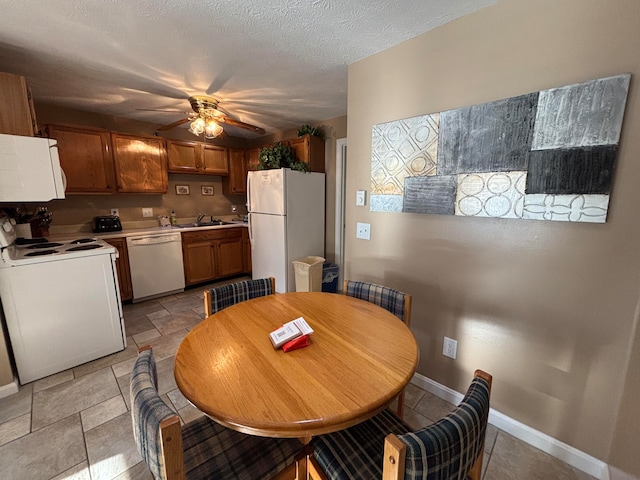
107, 223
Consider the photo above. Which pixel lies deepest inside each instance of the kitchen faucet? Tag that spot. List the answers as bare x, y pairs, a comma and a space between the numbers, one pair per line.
200, 217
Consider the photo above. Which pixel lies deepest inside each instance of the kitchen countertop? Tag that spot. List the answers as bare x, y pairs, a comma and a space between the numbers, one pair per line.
128, 232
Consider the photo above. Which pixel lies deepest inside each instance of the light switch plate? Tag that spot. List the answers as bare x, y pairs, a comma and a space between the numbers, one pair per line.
147, 212
363, 231
361, 197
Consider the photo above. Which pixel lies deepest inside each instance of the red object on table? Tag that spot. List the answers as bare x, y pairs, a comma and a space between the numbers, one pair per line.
296, 343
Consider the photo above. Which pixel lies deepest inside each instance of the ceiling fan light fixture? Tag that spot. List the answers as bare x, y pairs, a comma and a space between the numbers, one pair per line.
197, 126
212, 129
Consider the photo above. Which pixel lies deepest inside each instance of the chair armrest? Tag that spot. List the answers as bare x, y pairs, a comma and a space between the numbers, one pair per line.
393, 459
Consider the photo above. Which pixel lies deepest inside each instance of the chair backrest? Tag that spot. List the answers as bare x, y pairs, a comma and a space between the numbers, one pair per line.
224, 296
156, 428
396, 302
450, 449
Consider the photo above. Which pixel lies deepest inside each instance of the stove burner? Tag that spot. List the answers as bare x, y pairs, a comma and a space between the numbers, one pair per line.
83, 240
84, 247
44, 245
38, 253
30, 241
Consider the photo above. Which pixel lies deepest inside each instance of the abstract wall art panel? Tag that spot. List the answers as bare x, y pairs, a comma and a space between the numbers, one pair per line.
581, 115
566, 208
405, 148
493, 137
573, 170
494, 194
547, 155
433, 194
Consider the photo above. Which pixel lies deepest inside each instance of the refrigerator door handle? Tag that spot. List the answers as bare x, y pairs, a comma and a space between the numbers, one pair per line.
249, 209
250, 230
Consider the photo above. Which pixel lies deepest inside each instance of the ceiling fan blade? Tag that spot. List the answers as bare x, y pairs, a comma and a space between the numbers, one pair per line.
172, 125
238, 123
157, 110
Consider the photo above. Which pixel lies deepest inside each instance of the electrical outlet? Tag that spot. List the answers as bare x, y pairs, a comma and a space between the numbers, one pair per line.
115, 211
361, 196
234, 208
450, 347
147, 212
363, 231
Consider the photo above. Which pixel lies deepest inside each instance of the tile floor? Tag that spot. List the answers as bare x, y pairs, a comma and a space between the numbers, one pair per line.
76, 424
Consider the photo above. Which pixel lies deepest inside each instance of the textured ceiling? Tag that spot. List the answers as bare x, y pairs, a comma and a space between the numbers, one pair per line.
272, 63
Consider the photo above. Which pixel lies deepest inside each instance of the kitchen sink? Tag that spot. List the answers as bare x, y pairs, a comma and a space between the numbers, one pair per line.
202, 224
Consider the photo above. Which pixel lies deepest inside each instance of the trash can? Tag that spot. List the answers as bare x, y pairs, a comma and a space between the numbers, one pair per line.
330, 277
308, 272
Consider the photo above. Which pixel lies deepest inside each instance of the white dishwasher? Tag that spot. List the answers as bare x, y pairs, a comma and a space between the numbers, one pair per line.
156, 265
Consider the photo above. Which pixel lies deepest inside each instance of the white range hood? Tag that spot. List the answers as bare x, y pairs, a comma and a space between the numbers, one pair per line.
29, 169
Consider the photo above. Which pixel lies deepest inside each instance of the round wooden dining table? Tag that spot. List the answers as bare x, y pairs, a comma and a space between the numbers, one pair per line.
360, 358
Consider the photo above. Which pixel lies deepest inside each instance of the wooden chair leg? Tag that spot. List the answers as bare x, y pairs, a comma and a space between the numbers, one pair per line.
314, 472
476, 471
400, 409
207, 303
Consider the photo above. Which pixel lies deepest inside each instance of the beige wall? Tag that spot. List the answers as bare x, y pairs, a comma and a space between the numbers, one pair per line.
548, 308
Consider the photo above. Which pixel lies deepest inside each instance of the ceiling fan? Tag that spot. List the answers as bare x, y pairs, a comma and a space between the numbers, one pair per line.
207, 118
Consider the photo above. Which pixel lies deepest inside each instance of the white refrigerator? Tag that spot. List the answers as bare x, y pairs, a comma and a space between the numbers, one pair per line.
286, 222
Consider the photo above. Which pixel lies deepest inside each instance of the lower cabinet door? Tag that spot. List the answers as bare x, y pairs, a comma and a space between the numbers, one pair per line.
198, 262
230, 254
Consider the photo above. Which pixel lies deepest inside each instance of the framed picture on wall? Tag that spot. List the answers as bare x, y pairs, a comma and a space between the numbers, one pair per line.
207, 189
182, 189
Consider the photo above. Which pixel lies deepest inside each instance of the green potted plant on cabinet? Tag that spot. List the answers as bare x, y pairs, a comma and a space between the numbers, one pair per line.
279, 156
309, 130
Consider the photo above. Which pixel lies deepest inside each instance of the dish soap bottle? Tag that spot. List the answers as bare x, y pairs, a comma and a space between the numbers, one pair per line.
172, 218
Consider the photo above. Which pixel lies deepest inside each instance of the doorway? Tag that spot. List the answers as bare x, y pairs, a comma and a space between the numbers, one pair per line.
341, 172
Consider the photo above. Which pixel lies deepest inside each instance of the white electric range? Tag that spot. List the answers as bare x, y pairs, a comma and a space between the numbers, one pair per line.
61, 302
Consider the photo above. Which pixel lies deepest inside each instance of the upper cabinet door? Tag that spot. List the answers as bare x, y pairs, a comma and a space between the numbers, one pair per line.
18, 116
85, 157
215, 160
183, 157
310, 150
253, 158
236, 182
140, 164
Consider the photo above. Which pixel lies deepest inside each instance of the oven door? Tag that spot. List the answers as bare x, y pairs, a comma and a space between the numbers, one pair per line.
61, 313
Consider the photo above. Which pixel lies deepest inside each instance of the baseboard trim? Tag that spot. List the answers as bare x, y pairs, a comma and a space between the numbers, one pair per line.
568, 454
9, 388
616, 474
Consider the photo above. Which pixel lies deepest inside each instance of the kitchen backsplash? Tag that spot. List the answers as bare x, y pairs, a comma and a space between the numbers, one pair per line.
75, 212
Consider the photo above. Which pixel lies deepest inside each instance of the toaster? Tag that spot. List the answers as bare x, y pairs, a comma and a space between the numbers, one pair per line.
107, 223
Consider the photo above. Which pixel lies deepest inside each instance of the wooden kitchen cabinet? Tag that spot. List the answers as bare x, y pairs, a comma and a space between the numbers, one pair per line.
310, 150
122, 266
198, 258
215, 161
236, 182
196, 158
85, 157
212, 254
253, 158
17, 115
246, 246
182, 157
140, 163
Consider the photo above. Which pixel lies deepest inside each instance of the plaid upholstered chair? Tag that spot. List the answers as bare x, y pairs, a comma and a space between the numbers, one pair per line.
396, 302
201, 449
385, 447
218, 298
